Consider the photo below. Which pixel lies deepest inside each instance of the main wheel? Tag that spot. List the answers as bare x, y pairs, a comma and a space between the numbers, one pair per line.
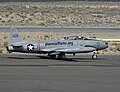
52, 56
61, 56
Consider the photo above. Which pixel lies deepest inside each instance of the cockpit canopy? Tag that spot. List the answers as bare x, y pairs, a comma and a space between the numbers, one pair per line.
74, 38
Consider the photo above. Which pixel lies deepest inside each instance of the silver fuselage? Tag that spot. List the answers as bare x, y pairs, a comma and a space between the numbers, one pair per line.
67, 46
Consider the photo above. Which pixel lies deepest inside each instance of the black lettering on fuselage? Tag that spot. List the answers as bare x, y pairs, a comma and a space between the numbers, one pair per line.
58, 43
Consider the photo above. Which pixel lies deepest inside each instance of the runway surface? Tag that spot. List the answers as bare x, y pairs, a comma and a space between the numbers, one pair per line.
34, 73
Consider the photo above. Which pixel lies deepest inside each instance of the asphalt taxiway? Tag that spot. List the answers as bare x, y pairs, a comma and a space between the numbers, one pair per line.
34, 73
60, 29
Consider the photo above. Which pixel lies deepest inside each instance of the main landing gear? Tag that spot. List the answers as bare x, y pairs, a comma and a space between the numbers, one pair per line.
52, 56
60, 56
94, 56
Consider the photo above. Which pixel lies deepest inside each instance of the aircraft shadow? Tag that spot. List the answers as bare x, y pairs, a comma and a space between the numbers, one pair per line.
77, 59
45, 57
38, 57
69, 59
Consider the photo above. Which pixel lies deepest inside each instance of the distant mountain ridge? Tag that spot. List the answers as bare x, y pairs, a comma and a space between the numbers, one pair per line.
52, 0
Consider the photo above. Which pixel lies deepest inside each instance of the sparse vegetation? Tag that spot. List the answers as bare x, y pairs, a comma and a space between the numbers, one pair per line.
5, 44
1, 51
64, 13
118, 47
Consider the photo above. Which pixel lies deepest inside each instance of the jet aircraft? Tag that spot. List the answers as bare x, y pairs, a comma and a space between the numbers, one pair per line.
55, 48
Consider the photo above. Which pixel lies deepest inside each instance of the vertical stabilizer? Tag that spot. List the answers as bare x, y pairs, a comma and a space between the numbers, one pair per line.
14, 36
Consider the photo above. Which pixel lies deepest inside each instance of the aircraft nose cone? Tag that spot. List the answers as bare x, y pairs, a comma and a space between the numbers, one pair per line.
106, 44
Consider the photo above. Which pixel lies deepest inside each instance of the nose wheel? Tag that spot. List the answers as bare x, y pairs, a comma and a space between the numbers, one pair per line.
94, 56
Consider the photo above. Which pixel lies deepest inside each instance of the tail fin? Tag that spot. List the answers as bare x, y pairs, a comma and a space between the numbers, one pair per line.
14, 36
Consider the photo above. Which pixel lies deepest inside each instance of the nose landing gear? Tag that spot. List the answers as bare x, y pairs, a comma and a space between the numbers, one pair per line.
94, 56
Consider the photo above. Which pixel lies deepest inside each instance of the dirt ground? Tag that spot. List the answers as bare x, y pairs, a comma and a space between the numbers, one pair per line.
64, 13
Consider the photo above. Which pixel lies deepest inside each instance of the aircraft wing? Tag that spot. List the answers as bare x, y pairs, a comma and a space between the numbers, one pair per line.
70, 50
